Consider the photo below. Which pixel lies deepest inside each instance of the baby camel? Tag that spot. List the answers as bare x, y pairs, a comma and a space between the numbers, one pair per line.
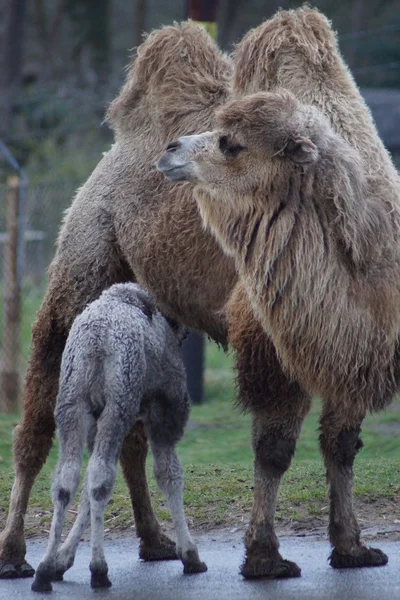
318, 257
122, 363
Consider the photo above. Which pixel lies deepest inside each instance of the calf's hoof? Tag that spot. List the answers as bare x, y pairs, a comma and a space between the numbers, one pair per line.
41, 584
162, 548
192, 563
272, 568
364, 557
14, 571
99, 579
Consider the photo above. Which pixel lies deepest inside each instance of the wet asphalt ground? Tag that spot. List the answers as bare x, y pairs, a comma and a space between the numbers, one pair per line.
223, 552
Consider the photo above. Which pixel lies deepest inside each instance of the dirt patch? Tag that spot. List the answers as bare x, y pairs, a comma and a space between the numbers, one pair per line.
379, 519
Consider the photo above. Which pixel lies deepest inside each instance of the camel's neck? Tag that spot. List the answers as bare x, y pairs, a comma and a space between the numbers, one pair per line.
235, 226
260, 233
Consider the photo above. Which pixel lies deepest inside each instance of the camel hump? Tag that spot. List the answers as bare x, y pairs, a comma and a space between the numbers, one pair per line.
305, 29
176, 67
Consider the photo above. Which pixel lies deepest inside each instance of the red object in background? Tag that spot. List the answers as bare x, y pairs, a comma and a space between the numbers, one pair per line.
202, 10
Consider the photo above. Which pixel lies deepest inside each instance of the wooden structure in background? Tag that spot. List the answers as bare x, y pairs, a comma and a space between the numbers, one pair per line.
9, 377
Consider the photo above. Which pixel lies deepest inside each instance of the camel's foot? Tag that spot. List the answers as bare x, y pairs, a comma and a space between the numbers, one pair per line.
42, 581
9, 570
12, 555
260, 565
192, 563
99, 579
363, 557
162, 548
59, 575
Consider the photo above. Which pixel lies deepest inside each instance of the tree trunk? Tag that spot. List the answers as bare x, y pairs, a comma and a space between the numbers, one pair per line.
12, 16
139, 21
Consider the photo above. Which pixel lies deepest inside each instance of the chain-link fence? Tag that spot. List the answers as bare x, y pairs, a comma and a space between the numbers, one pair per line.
45, 204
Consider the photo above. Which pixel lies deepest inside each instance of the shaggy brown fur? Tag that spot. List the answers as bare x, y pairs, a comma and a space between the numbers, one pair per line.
298, 50
126, 223
318, 257
310, 242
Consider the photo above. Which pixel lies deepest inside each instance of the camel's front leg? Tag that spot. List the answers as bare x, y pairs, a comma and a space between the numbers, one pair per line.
279, 407
340, 443
274, 442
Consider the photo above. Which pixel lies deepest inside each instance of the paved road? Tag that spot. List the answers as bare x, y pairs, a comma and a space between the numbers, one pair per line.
135, 580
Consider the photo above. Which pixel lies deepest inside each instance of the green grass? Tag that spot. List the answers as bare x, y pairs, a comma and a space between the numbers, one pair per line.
217, 457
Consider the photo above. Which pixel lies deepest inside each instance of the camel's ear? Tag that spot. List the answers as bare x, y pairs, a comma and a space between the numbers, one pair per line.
301, 151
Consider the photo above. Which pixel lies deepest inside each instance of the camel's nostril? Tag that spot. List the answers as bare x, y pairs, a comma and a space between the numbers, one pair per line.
173, 146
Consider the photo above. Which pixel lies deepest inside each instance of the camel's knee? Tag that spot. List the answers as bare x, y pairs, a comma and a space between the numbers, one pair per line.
101, 477
100, 493
274, 453
341, 449
66, 481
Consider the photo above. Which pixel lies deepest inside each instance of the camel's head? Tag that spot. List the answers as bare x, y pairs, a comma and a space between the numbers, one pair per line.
258, 137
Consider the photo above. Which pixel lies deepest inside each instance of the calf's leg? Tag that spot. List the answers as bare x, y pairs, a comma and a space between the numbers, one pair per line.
168, 474
66, 554
64, 489
340, 442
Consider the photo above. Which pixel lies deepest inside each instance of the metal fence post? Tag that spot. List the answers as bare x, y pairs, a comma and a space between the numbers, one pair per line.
205, 12
9, 379
193, 357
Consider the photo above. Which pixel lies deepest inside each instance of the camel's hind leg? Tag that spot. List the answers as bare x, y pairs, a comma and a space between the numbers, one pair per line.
279, 407
32, 439
154, 544
340, 443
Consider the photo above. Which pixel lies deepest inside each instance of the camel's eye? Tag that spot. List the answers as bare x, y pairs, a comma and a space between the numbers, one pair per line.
228, 147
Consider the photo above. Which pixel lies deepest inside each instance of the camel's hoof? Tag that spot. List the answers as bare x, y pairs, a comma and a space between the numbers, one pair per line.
272, 568
25, 570
190, 568
365, 557
100, 580
160, 549
41, 584
10, 571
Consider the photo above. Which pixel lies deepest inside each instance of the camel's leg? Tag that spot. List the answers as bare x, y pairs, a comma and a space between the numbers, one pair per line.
154, 544
112, 427
168, 474
65, 485
34, 434
32, 440
279, 407
275, 433
340, 443
66, 554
